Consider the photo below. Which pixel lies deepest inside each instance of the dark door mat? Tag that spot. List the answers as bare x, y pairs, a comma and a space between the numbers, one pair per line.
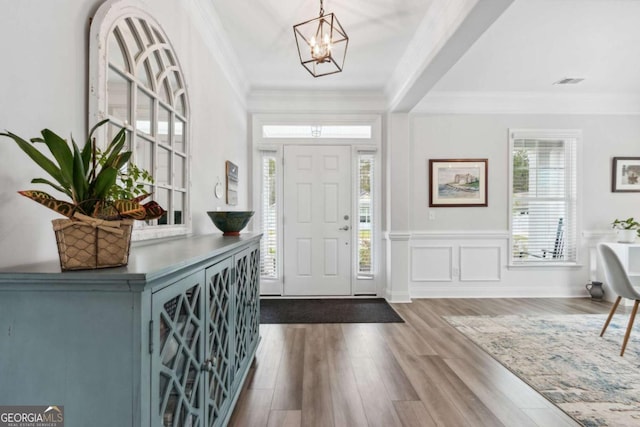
351, 310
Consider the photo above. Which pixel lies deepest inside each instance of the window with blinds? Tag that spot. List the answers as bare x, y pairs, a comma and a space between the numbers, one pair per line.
269, 242
365, 214
543, 190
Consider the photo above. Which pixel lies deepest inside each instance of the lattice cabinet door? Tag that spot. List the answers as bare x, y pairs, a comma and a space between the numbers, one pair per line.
177, 353
253, 298
219, 281
247, 269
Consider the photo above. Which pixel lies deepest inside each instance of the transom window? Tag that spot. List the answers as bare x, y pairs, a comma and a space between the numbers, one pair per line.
145, 92
317, 131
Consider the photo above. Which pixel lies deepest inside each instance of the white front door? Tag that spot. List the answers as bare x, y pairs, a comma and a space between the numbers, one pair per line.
317, 220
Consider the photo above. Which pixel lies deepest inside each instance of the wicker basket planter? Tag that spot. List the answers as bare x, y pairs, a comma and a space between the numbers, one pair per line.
88, 243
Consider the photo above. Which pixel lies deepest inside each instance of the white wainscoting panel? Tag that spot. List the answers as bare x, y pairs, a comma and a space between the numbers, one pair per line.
473, 264
480, 263
431, 263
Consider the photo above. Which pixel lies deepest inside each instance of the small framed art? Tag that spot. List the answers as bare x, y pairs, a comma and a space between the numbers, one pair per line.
625, 175
458, 182
232, 183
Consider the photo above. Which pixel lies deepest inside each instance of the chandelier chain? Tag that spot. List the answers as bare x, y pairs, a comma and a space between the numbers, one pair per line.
321, 7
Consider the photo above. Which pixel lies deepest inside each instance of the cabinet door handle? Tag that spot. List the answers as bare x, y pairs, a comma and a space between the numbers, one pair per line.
209, 364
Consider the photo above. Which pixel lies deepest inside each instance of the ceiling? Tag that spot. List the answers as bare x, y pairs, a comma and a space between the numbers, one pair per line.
538, 42
532, 44
261, 34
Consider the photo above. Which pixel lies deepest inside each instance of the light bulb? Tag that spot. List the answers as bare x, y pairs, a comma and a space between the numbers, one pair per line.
326, 39
313, 41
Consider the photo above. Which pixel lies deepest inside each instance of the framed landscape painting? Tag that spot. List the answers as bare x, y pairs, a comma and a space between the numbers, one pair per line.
625, 175
458, 182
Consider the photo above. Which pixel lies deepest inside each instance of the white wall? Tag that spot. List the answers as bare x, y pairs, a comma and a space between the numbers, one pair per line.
471, 243
43, 82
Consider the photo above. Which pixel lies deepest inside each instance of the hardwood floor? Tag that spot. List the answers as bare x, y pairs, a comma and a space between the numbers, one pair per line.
419, 373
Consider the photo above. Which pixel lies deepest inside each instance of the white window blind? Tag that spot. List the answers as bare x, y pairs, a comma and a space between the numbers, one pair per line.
366, 170
269, 242
543, 198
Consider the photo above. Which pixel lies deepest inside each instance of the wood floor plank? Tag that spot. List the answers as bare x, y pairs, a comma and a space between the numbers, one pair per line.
394, 378
287, 393
317, 406
334, 338
492, 374
470, 406
420, 314
448, 342
439, 407
420, 373
378, 406
268, 357
494, 396
408, 337
347, 404
549, 417
252, 409
357, 345
413, 414
278, 418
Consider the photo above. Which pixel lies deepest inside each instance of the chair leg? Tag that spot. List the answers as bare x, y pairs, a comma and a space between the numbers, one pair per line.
630, 326
613, 310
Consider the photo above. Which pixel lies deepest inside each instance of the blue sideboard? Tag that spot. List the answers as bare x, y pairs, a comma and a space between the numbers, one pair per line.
165, 341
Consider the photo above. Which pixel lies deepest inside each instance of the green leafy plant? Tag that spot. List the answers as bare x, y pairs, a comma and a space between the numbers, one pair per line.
626, 224
100, 184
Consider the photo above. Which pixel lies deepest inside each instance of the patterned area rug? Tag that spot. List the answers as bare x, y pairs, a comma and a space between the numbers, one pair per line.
564, 359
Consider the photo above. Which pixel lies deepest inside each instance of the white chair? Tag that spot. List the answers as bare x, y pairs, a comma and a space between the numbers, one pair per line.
619, 282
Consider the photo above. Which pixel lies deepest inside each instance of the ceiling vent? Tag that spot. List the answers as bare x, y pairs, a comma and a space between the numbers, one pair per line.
569, 81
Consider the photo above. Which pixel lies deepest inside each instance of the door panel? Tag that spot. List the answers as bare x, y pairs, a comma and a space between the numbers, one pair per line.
317, 220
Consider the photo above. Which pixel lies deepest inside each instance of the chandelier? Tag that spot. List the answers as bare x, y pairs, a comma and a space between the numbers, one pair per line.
322, 44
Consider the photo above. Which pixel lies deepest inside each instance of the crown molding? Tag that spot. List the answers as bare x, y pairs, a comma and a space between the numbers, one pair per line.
207, 22
528, 103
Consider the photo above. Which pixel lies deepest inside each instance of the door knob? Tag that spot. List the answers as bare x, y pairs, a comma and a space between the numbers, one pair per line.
345, 228
209, 364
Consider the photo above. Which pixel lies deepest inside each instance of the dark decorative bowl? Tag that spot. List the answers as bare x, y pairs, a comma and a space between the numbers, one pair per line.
230, 222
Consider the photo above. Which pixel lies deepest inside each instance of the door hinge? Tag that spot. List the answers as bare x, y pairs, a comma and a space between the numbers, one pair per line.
150, 336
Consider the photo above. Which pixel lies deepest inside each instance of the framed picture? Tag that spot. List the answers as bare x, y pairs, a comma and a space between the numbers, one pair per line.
232, 183
625, 177
458, 182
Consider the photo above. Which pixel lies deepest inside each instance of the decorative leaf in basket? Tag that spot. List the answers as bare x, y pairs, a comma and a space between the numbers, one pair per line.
106, 192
